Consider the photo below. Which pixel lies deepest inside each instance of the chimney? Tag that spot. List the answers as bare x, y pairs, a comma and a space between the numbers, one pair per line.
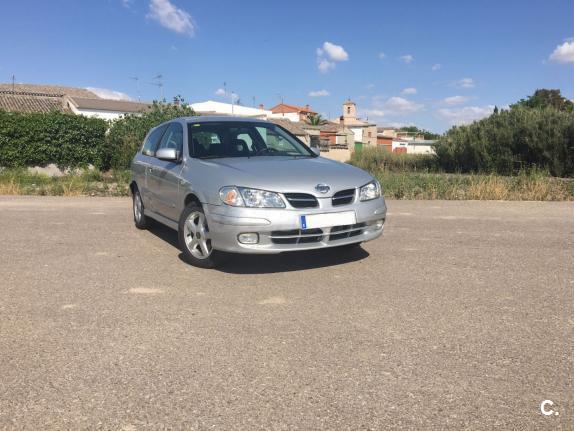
261, 106
342, 120
307, 107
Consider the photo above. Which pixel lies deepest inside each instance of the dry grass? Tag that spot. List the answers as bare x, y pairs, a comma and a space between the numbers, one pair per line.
90, 183
533, 185
10, 187
528, 186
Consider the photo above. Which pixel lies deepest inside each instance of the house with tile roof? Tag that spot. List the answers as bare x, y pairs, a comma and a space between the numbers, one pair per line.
46, 98
106, 109
292, 112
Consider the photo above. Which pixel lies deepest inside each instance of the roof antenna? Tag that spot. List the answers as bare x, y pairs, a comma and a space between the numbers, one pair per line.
137, 80
13, 84
158, 84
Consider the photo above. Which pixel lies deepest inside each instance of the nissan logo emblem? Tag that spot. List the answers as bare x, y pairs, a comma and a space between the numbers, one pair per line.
322, 188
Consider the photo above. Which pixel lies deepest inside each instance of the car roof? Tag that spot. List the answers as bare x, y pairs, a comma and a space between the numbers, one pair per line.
222, 118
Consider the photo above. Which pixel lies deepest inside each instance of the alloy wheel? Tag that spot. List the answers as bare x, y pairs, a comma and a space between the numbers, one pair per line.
138, 207
197, 236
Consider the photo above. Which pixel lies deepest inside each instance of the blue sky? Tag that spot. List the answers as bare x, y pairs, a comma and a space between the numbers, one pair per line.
428, 63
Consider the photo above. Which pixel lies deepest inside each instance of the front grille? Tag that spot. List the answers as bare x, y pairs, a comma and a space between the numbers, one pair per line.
296, 236
343, 197
302, 200
346, 231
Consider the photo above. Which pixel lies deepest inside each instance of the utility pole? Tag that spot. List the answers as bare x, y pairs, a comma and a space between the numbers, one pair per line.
281, 98
232, 101
13, 84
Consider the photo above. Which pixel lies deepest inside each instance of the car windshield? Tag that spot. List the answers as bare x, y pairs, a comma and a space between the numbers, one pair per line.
243, 139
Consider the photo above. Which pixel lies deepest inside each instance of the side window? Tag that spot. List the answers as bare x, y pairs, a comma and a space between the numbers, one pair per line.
247, 139
173, 137
152, 141
278, 142
206, 143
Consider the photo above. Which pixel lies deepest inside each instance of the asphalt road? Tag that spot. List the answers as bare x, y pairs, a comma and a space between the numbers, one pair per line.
460, 317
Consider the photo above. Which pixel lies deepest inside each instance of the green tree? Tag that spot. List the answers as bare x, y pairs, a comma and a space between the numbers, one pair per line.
544, 98
415, 130
512, 140
127, 134
316, 120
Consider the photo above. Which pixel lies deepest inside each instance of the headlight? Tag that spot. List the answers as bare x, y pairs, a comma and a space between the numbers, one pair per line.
370, 191
253, 198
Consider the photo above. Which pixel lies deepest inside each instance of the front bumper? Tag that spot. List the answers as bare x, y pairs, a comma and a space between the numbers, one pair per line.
279, 230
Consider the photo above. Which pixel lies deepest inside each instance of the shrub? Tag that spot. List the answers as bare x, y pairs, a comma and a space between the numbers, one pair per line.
375, 159
38, 139
127, 134
511, 141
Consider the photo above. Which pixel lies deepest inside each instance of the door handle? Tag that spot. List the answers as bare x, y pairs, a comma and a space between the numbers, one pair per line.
150, 170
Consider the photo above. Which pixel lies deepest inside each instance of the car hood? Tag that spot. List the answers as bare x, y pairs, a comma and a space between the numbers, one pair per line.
287, 174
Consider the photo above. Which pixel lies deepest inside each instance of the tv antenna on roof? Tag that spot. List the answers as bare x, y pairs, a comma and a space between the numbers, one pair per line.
137, 80
159, 83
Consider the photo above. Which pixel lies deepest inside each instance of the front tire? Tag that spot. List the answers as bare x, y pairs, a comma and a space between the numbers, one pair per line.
195, 239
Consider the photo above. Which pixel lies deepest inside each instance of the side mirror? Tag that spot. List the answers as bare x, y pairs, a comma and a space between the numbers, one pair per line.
167, 154
316, 150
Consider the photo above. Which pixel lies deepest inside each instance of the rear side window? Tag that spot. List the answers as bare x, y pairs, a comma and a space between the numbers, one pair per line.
152, 141
172, 138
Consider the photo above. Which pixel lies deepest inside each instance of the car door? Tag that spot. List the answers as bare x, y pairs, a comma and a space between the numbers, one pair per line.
146, 162
164, 176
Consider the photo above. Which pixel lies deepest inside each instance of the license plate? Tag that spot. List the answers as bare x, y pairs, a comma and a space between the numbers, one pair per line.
313, 221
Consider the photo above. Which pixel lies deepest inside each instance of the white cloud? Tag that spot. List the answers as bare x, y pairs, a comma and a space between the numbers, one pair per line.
171, 17
373, 113
127, 3
391, 107
464, 83
370, 86
328, 54
407, 58
382, 55
409, 90
334, 52
401, 106
563, 53
319, 93
325, 65
436, 67
454, 100
220, 92
464, 115
105, 93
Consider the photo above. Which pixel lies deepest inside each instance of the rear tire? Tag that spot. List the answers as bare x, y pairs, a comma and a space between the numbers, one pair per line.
140, 219
195, 239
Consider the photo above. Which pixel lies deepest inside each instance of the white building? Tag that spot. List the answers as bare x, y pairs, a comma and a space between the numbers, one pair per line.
211, 107
413, 146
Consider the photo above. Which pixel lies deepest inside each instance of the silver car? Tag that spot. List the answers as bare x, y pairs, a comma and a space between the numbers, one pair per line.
233, 185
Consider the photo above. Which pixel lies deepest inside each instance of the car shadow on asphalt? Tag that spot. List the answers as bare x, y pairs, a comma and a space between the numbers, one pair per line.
271, 263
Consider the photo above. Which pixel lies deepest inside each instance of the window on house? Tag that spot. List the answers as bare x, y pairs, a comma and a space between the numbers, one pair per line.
348, 109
